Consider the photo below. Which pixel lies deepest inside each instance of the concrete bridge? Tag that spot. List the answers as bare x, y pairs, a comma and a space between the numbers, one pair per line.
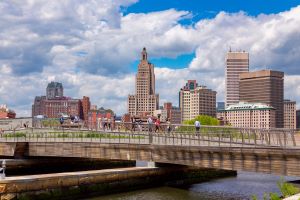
274, 151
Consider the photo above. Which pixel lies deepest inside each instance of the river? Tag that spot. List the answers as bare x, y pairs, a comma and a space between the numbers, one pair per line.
241, 187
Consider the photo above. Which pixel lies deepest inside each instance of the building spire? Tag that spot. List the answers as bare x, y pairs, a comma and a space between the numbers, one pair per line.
144, 54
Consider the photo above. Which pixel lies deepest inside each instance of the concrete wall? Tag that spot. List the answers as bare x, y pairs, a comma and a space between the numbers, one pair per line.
17, 123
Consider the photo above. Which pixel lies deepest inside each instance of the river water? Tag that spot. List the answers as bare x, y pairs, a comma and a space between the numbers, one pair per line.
241, 187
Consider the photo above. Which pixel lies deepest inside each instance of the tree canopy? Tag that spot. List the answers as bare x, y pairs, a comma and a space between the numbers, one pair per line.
204, 120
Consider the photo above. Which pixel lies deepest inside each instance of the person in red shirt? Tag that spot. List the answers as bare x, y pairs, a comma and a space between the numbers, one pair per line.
157, 125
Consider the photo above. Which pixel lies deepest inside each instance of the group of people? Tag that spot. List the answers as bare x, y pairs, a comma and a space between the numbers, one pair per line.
154, 124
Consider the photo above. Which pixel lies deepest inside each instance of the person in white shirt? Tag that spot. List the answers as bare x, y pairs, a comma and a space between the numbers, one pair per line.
197, 126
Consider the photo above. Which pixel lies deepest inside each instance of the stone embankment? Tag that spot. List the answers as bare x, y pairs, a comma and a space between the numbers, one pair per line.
82, 184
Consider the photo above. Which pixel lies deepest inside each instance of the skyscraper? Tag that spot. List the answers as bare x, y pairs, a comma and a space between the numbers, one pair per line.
264, 86
54, 89
236, 63
196, 100
145, 101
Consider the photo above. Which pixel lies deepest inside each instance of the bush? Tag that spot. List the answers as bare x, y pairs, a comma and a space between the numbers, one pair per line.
204, 120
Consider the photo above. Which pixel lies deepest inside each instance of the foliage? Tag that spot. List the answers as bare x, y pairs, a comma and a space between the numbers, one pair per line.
204, 120
287, 189
50, 123
17, 134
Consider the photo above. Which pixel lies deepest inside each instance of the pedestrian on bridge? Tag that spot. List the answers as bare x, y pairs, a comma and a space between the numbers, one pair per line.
197, 126
150, 123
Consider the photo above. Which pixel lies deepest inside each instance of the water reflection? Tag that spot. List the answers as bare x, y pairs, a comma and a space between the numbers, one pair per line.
241, 187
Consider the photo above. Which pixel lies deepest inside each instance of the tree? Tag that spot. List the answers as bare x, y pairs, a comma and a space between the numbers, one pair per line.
204, 120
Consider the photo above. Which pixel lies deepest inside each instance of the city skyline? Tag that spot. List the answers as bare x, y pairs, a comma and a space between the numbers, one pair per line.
184, 46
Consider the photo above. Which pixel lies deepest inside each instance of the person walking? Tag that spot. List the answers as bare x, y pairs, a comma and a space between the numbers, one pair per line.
157, 125
132, 124
197, 126
169, 126
150, 123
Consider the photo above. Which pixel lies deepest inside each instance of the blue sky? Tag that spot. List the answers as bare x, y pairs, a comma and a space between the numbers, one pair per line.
93, 47
202, 10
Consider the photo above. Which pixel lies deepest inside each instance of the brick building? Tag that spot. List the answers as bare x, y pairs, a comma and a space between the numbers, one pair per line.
5, 112
55, 104
289, 108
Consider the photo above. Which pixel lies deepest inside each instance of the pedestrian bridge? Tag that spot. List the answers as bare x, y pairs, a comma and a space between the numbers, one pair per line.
275, 151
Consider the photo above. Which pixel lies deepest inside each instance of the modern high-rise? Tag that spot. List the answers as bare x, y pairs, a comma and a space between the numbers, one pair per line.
54, 90
145, 101
289, 108
196, 100
264, 86
236, 63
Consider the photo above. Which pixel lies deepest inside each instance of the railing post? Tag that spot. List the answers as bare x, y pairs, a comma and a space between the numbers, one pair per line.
254, 138
181, 139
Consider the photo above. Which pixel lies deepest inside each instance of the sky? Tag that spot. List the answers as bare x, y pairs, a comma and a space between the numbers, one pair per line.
93, 46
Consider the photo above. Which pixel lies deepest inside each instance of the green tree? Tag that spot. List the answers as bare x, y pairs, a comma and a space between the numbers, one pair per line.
204, 120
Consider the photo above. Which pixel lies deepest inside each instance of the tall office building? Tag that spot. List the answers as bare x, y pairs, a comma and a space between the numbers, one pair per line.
264, 86
54, 90
236, 63
289, 108
145, 101
196, 100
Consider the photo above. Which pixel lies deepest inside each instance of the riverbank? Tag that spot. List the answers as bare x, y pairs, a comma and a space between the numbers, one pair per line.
75, 185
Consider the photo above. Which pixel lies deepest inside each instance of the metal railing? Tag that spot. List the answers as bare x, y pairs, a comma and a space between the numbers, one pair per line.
177, 134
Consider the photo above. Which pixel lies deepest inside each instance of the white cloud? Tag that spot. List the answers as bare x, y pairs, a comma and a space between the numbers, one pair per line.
88, 46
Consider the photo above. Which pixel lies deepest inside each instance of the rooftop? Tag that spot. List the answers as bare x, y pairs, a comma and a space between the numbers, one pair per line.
249, 106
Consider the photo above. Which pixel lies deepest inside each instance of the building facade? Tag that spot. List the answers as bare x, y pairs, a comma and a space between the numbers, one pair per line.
5, 112
145, 101
236, 63
264, 86
289, 108
86, 107
247, 115
196, 100
54, 107
298, 119
54, 90
97, 117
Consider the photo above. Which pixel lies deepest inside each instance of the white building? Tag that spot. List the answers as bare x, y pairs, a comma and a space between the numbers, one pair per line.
249, 115
196, 100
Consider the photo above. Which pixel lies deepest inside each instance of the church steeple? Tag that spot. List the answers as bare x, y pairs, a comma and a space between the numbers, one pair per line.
144, 54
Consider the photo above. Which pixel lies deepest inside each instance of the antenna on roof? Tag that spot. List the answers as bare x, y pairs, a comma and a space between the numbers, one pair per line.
229, 48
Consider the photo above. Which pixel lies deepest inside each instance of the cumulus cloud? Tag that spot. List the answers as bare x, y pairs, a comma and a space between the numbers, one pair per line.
88, 46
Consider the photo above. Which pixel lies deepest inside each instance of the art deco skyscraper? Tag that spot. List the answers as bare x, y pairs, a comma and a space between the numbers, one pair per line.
236, 63
145, 101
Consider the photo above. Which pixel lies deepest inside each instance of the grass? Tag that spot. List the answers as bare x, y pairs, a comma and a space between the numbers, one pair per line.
286, 190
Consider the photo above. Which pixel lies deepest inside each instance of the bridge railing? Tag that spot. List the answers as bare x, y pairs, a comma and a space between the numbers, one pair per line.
176, 134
